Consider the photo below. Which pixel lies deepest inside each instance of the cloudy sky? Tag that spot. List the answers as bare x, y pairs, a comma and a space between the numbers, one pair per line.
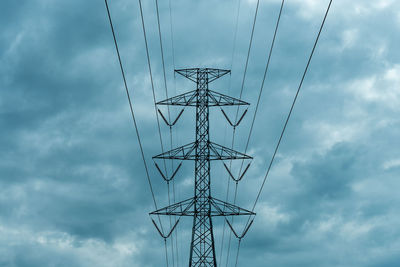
73, 190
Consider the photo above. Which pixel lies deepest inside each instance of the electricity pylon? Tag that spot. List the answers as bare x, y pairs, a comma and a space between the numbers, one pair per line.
202, 207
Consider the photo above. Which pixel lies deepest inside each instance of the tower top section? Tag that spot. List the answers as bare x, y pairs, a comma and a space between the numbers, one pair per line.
194, 74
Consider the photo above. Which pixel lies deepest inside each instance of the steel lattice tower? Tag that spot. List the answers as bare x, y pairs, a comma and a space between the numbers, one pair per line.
202, 207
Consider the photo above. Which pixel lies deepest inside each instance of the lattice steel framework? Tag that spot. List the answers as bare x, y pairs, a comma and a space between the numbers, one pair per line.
202, 207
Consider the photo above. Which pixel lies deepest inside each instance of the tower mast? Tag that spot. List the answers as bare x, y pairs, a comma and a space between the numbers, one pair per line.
202, 207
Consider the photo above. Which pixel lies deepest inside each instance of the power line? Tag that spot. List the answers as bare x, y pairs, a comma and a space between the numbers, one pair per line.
292, 106
151, 75
225, 129
130, 105
169, 118
263, 80
248, 53
162, 55
257, 105
172, 35
237, 110
290, 111
187, 73
237, 252
132, 112
235, 38
173, 65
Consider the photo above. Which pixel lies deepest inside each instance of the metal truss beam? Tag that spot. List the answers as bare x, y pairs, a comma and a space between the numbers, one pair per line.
212, 74
216, 152
215, 99
186, 152
218, 208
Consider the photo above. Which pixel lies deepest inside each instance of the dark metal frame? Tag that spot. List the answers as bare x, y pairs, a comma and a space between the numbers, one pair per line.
202, 207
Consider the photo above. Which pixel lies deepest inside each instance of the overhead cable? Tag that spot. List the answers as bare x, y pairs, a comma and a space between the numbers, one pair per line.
130, 106
225, 129
134, 118
240, 97
169, 117
292, 106
289, 114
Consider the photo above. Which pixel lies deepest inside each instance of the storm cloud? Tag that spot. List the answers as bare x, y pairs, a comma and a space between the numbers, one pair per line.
73, 190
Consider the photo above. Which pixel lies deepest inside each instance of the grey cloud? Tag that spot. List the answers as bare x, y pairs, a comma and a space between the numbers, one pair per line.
70, 163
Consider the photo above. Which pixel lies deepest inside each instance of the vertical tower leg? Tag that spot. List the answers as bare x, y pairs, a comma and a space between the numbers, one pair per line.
202, 250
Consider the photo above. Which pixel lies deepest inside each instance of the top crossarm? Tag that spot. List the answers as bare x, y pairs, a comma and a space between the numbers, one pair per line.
213, 74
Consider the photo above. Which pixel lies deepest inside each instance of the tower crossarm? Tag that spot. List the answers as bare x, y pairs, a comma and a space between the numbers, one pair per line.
186, 99
222, 208
215, 99
218, 208
212, 74
183, 208
181, 153
218, 99
218, 152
